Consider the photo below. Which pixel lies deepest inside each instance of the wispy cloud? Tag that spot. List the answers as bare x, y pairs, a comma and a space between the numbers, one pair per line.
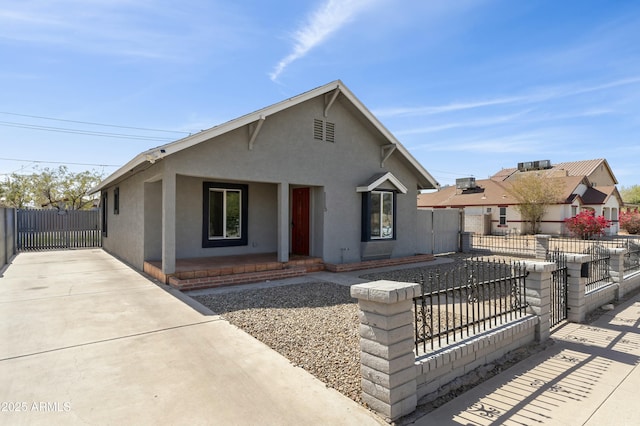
518, 143
127, 28
489, 121
526, 117
329, 18
452, 107
535, 96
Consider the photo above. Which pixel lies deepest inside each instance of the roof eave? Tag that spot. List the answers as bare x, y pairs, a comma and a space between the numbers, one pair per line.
428, 182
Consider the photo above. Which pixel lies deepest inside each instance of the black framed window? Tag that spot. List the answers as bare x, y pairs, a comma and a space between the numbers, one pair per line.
378, 215
225, 214
116, 200
105, 212
503, 216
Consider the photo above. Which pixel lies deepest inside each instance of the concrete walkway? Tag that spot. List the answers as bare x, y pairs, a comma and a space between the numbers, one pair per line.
589, 376
87, 340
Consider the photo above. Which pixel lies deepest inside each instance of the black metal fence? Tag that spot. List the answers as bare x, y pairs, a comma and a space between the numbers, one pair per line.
597, 269
559, 286
514, 244
577, 245
632, 257
476, 296
58, 229
509, 244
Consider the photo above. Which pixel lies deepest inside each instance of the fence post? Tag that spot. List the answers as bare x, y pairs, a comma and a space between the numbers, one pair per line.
576, 291
542, 245
616, 269
465, 241
538, 292
387, 340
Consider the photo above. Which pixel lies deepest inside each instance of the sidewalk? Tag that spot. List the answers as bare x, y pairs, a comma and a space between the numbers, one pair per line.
87, 340
589, 376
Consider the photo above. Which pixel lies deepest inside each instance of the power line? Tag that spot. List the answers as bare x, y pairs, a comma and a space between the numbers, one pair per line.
94, 124
58, 162
83, 132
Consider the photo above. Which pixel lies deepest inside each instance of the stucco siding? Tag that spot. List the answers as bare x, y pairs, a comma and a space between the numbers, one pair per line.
283, 153
125, 237
262, 237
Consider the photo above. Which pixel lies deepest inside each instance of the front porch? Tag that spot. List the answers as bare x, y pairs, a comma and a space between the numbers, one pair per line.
207, 272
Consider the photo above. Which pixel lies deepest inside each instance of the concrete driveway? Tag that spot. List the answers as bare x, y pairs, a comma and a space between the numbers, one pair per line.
88, 340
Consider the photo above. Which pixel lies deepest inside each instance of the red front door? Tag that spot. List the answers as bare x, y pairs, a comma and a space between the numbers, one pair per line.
300, 222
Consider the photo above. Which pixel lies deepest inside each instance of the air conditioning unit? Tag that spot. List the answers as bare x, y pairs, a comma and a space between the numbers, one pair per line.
466, 183
545, 164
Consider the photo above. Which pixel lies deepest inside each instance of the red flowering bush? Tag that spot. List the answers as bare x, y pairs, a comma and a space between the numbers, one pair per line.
586, 224
630, 221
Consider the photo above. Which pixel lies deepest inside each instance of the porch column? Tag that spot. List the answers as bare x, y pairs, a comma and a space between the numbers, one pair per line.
283, 222
169, 223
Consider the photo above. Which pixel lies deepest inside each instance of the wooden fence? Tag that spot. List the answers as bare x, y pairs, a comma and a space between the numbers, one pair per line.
58, 229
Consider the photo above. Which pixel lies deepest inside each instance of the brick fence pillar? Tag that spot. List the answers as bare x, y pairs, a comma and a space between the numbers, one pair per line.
542, 246
386, 341
576, 283
539, 295
616, 269
465, 241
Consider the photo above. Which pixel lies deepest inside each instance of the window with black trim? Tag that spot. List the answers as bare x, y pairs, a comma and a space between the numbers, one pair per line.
378, 215
105, 212
503, 215
225, 214
116, 200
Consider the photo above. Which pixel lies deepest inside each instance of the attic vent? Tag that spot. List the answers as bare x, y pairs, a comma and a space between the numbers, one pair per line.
318, 132
324, 130
330, 132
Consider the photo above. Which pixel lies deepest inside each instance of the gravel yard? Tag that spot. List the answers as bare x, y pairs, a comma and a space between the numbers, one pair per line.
314, 325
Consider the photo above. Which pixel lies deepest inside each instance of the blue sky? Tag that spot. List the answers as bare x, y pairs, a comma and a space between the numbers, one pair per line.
469, 87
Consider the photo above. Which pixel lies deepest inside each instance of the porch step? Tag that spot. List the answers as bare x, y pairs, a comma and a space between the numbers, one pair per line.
379, 263
242, 278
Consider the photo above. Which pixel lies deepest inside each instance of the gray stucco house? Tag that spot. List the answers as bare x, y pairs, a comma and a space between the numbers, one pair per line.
315, 175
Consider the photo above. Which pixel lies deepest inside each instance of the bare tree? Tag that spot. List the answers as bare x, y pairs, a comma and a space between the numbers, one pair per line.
534, 193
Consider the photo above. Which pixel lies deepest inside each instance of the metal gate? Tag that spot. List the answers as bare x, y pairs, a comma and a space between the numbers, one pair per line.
558, 286
58, 229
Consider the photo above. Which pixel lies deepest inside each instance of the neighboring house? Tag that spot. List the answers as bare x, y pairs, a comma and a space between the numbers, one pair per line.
314, 175
490, 209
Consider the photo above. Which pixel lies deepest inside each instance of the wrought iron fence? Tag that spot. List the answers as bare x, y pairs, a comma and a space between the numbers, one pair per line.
471, 298
559, 286
510, 244
597, 269
578, 245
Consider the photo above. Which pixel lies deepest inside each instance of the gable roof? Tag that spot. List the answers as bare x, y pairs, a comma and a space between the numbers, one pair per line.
601, 194
569, 168
336, 88
379, 179
488, 192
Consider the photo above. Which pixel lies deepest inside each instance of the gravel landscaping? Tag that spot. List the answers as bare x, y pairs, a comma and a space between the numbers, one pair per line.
314, 325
